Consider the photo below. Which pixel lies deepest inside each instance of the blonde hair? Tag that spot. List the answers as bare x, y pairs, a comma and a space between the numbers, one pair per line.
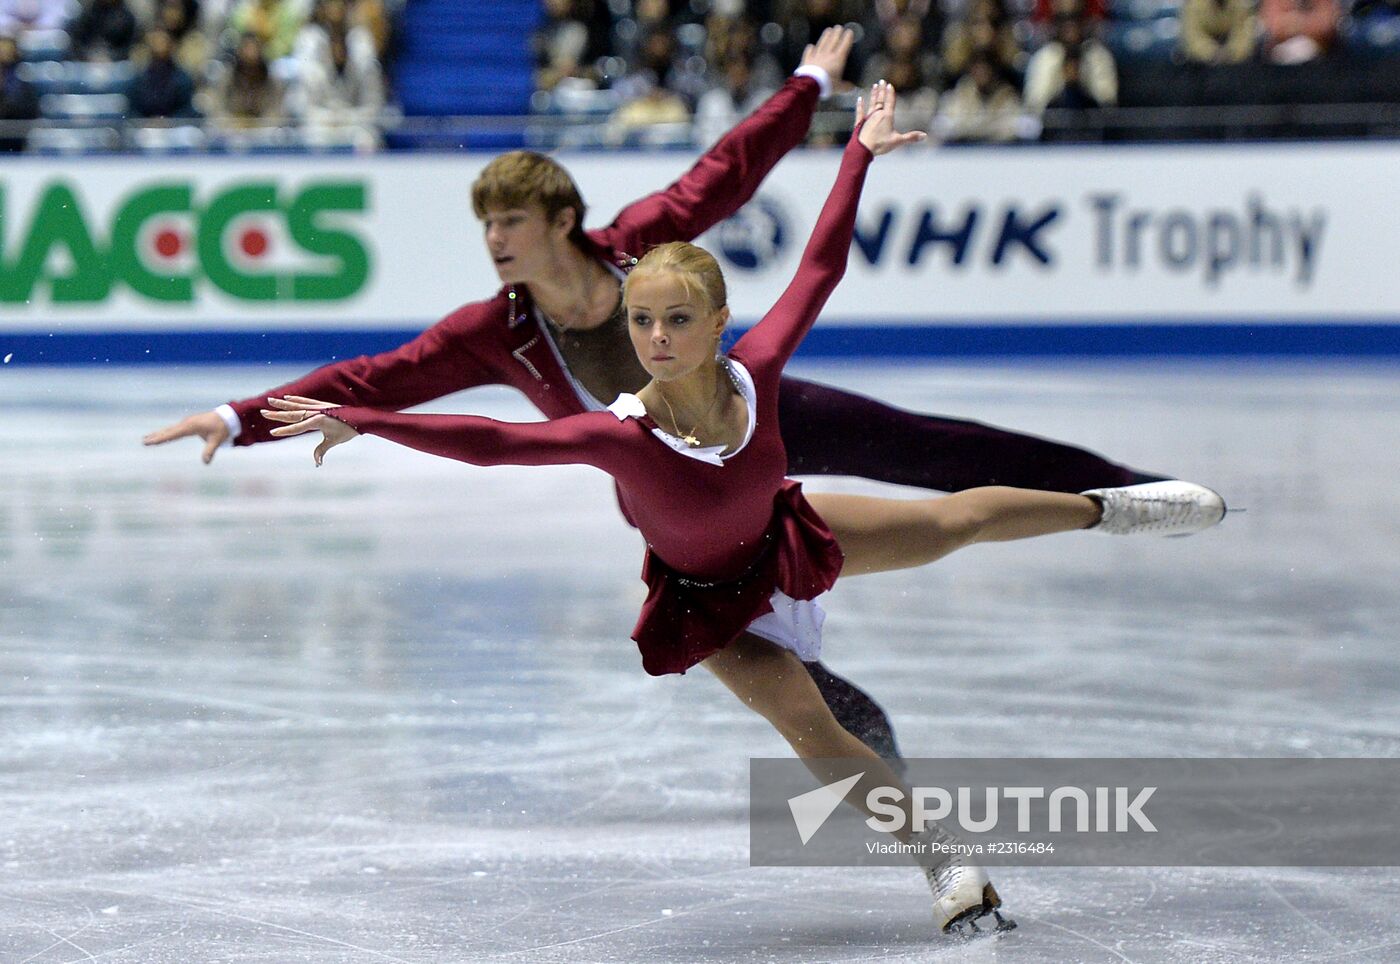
523, 179
696, 269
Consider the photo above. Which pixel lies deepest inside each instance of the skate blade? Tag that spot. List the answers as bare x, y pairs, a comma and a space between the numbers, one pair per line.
965, 924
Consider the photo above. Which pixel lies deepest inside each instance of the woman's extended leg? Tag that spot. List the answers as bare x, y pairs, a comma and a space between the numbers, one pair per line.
878, 535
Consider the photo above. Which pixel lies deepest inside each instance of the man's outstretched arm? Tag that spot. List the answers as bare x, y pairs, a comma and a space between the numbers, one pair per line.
726, 177
436, 363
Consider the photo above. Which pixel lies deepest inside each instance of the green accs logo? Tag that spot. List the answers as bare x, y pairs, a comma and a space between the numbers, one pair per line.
163, 244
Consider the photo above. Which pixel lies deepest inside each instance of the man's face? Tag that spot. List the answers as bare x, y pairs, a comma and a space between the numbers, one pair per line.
523, 242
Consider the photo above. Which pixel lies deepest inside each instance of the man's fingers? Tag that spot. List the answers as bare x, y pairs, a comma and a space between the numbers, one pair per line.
834, 38
179, 430
211, 445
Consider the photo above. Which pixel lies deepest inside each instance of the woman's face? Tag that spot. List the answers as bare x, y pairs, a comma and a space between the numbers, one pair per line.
673, 331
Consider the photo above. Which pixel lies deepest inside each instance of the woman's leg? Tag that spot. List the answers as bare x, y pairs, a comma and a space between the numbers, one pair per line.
772, 682
878, 535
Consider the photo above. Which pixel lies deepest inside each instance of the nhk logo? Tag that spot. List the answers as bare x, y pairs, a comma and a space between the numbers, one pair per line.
253, 241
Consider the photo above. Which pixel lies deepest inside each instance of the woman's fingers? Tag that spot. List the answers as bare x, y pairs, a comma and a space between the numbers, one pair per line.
290, 417
298, 403
297, 427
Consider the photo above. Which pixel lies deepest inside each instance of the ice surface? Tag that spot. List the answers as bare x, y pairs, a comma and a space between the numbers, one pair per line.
386, 710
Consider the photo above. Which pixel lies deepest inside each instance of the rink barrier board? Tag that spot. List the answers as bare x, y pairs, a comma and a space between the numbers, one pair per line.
1380, 339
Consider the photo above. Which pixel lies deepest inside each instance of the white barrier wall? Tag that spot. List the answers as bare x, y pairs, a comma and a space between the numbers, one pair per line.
1268, 233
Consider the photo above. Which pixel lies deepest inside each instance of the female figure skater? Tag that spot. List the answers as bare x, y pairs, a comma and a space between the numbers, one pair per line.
736, 554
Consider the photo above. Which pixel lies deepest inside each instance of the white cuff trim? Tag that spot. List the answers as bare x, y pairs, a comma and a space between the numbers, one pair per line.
818, 74
231, 419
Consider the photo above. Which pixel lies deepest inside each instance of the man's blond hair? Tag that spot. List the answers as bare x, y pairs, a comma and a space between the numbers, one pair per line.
526, 179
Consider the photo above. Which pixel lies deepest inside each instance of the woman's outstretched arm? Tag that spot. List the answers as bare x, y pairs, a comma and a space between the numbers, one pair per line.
587, 439
823, 262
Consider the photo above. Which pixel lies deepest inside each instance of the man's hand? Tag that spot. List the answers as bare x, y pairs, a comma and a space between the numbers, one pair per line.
302, 414
830, 52
207, 425
878, 134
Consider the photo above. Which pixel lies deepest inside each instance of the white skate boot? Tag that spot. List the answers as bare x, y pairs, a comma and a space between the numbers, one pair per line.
1160, 508
962, 893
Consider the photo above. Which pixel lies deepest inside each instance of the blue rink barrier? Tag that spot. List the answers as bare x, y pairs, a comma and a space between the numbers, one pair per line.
827, 340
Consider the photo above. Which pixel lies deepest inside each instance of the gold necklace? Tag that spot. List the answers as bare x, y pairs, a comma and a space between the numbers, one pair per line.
690, 438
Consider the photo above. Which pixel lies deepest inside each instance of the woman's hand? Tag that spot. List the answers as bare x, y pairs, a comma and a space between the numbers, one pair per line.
878, 134
304, 415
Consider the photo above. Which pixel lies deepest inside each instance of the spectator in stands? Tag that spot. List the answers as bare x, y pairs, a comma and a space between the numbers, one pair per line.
18, 99
333, 18
1044, 12
104, 30
343, 97
19, 16
162, 89
192, 47
1094, 73
654, 119
276, 22
732, 36
884, 14
652, 67
984, 106
374, 17
1296, 31
560, 45
911, 68
734, 96
984, 28
649, 17
1217, 31
1075, 107
904, 41
803, 22
918, 97
248, 94
651, 113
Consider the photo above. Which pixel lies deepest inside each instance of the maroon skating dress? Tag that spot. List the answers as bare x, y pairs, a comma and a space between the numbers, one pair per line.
720, 537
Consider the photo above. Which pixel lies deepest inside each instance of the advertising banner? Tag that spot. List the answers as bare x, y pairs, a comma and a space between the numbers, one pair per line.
1142, 235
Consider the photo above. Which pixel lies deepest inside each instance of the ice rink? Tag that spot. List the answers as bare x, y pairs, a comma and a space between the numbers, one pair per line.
387, 710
